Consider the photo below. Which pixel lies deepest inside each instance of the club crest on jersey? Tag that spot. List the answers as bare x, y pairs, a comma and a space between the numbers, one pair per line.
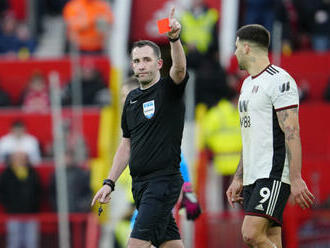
255, 89
149, 109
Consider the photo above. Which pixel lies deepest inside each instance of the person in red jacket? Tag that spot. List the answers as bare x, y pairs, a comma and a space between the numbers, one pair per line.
35, 98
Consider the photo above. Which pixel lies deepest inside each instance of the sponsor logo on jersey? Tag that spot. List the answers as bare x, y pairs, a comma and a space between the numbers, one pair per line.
243, 105
284, 87
149, 109
259, 207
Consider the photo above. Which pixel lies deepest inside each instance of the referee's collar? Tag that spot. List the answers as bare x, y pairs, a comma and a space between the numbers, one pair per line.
151, 87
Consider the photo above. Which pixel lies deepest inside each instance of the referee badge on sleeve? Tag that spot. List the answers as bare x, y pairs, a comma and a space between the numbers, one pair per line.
149, 109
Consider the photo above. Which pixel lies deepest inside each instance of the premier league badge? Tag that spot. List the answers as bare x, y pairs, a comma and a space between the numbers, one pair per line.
149, 109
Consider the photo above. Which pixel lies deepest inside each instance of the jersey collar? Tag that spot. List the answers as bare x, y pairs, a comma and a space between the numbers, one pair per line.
255, 76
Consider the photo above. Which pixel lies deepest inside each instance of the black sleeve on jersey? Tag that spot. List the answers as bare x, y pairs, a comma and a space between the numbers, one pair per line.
178, 88
124, 126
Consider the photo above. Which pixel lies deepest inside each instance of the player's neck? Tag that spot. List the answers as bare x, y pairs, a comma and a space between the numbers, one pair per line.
153, 82
257, 66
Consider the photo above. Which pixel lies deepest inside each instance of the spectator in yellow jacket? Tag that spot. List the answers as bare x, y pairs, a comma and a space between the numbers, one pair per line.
222, 136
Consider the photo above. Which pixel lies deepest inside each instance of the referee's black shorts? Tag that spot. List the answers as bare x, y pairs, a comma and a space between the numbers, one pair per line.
155, 199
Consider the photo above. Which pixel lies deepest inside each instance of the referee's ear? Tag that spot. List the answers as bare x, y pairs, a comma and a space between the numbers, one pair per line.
160, 63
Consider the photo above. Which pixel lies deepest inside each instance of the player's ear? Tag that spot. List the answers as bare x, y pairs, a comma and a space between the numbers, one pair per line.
246, 48
160, 63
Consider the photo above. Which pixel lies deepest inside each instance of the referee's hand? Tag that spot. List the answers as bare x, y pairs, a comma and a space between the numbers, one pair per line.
174, 25
102, 196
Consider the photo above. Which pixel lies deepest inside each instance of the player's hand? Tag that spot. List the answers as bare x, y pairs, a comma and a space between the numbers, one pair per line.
190, 203
234, 192
174, 25
102, 196
300, 194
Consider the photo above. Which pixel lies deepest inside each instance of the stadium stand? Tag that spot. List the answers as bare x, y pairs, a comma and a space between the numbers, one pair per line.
14, 83
40, 125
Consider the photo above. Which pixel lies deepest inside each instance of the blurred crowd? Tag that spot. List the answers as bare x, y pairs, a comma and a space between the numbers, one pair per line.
35, 98
87, 23
15, 37
305, 24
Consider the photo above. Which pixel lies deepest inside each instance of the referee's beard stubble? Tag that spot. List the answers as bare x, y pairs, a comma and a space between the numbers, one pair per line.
146, 81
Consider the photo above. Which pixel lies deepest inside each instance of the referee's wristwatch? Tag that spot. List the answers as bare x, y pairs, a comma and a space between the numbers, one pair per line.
174, 39
110, 183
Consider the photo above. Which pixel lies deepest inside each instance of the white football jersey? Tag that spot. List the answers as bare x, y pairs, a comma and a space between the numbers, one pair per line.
264, 153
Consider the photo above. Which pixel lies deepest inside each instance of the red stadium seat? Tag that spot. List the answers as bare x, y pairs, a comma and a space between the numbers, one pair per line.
40, 125
14, 83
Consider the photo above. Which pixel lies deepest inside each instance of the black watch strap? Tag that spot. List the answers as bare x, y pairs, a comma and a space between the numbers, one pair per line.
174, 40
110, 183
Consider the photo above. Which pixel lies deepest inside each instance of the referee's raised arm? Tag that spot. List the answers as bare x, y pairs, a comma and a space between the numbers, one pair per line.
179, 63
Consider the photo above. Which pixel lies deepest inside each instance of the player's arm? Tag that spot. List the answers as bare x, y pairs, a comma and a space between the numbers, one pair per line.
120, 162
289, 123
179, 63
235, 189
239, 171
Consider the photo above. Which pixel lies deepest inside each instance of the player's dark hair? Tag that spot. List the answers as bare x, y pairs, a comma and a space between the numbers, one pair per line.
255, 33
153, 45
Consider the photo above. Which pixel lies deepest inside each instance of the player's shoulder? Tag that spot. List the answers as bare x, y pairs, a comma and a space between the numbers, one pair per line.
277, 75
273, 73
277, 72
246, 82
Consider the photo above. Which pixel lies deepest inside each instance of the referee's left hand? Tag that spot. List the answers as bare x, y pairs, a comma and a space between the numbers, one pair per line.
103, 195
174, 25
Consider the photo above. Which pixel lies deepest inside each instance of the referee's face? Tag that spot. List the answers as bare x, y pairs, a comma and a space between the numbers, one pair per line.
145, 64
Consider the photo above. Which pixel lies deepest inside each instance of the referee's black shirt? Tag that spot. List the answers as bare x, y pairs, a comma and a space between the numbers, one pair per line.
153, 119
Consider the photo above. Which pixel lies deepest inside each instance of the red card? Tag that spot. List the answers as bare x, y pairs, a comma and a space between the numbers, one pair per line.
163, 26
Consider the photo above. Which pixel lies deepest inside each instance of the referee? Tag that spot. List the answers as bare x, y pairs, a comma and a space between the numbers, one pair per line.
152, 125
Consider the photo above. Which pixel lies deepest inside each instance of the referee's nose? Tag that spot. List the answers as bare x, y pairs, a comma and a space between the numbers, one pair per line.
141, 66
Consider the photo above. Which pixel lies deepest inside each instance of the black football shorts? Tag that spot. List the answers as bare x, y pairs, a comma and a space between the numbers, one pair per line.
155, 199
267, 198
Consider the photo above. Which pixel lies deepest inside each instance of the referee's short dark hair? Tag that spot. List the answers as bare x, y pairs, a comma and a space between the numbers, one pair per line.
153, 45
255, 33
